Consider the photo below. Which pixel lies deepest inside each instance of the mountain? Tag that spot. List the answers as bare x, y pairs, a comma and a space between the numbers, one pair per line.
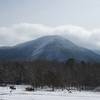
97, 51
49, 48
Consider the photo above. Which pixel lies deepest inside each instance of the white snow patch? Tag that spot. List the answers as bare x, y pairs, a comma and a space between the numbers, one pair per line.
21, 94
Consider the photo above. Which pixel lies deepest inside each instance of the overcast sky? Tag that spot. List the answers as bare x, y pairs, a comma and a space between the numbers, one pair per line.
77, 20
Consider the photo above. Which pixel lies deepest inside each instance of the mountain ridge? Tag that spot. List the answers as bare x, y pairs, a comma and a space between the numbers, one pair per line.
48, 48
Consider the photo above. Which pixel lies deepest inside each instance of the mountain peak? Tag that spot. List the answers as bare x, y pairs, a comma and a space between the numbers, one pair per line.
53, 37
44, 40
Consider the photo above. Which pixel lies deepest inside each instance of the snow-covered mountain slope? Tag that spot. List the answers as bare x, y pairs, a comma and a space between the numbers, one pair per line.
49, 48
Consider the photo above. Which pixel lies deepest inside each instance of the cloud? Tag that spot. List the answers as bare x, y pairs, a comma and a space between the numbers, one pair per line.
22, 32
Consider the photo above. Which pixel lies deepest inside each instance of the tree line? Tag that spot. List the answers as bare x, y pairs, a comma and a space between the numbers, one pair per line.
40, 73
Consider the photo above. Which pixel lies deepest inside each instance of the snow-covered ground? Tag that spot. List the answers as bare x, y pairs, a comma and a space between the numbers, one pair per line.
21, 94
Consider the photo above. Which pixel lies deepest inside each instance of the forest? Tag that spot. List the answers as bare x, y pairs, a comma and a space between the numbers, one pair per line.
40, 73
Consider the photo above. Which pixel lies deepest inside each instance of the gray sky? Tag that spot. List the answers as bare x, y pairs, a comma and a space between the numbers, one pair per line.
51, 12
77, 20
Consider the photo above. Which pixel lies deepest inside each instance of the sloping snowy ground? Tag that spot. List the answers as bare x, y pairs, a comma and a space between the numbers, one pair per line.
21, 94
